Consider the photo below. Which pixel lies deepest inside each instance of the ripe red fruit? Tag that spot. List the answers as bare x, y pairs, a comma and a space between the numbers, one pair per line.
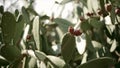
71, 29
117, 11
90, 14
108, 7
77, 32
28, 37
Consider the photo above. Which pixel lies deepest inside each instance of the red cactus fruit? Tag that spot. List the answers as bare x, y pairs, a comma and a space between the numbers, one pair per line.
77, 32
28, 37
71, 29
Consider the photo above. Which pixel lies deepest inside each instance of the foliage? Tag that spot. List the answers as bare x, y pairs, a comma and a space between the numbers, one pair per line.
27, 41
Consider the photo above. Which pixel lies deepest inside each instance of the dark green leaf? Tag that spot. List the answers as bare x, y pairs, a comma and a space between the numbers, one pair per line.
18, 30
3, 61
113, 15
8, 26
101, 52
10, 52
16, 12
68, 47
85, 26
102, 4
90, 49
89, 43
44, 17
1, 9
103, 62
46, 46
96, 23
79, 10
25, 15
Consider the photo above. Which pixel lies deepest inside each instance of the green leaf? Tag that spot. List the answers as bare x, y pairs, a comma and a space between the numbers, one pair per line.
40, 55
10, 52
79, 10
101, 52
94, 21
68, 47
103, 62
16, 12
46, 48
25, 15
102, 4
89, 43
18, 63
90, 49
56, 61
36, 32
8, 26
113, 15
1, 9
19, 30
63, 24
85, 26
44, 17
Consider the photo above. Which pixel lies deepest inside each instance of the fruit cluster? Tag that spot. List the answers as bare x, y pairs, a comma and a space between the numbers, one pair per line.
108, 8
73, 31
90, 14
